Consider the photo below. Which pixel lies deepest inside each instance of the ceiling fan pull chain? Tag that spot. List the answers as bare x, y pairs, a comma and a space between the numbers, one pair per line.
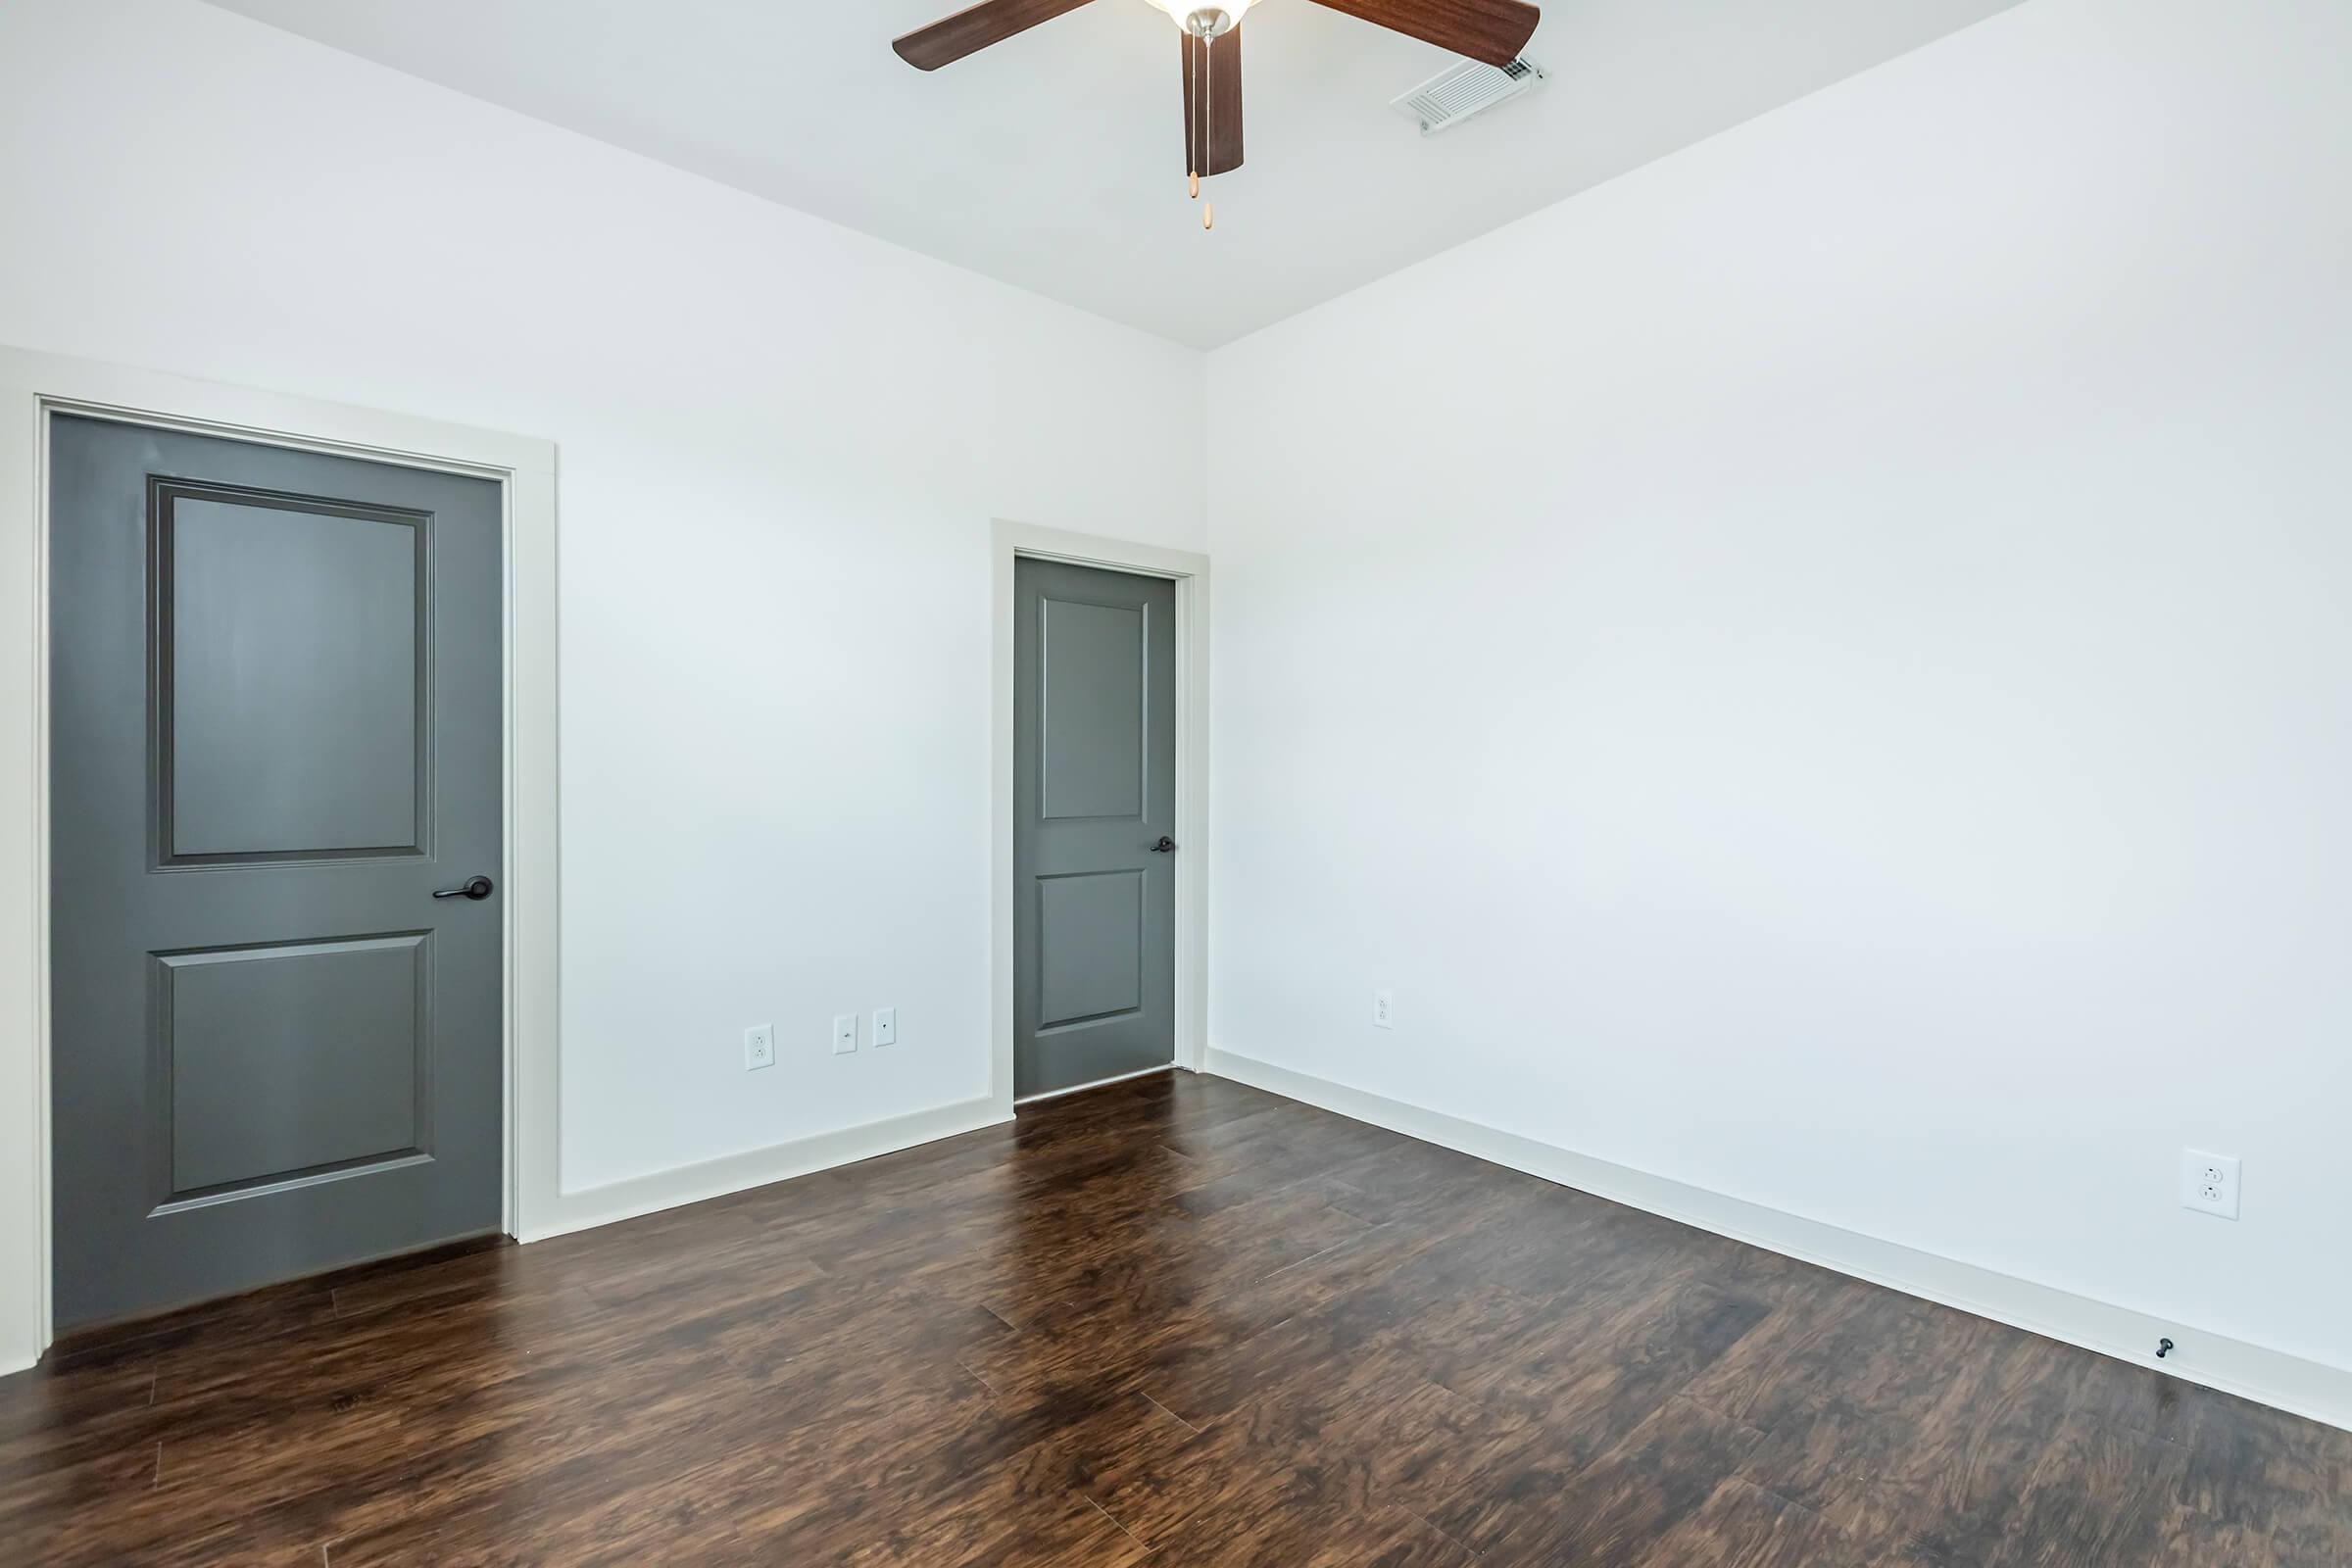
1192, 129
1208, 119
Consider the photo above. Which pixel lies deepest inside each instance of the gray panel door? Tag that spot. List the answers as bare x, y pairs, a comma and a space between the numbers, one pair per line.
1095, 809
276, 732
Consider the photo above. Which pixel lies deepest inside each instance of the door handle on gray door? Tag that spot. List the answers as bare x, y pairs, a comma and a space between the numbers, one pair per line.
1166, 846
477, 888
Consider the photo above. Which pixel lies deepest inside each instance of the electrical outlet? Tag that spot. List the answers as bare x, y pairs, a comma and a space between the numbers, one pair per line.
886, 1026
2209, 1183
844, 1033
759, 1047
1384, 1010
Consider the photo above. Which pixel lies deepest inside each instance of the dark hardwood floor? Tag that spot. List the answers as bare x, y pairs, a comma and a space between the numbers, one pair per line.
1175, 1321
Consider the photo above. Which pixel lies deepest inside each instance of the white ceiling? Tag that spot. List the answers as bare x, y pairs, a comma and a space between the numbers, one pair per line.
1055, 161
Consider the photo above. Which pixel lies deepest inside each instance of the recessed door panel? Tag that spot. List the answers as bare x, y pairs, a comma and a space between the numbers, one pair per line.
276, 732
291, 683
1091, 703
1090, 937
1095, 809
287, 1061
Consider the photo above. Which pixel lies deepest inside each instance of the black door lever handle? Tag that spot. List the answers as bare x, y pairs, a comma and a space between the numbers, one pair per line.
1166, 846
477, 888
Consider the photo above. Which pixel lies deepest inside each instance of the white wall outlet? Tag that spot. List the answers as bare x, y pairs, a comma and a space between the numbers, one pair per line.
759, 1047
844, 1033
1384, 1010
2209, 1183
886, 1026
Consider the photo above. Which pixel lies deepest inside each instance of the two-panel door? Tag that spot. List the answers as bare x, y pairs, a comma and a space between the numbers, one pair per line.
1094, 806
276, 727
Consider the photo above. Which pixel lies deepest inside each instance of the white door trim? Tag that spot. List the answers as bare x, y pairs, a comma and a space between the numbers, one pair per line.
31, 387
1189, 572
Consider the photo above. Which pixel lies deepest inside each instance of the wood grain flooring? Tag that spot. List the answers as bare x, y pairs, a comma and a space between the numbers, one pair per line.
1174, 1321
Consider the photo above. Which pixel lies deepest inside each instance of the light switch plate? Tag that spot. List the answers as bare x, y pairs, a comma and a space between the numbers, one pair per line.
844, 1033
886, 1026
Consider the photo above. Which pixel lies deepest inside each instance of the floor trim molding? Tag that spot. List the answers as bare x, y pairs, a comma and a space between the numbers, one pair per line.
614, 1202
2275, 1378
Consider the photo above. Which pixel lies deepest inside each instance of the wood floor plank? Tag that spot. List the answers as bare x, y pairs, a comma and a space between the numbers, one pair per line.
2187, 1539
1595, 1373
1378, 1434
1611, 1510
1175, 1321
1744, 1525
1940, 1484
2098, 1493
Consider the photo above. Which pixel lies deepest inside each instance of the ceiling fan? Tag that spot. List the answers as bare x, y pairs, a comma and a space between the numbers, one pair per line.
1210, 32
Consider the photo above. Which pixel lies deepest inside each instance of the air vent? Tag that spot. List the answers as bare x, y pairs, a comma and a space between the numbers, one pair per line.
1454, 95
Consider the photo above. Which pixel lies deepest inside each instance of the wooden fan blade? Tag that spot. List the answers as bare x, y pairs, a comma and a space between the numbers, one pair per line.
976, 27
1212, 67
1492, 30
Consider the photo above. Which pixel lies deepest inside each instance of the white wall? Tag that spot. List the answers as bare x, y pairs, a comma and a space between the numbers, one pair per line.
781, 445
1822, 668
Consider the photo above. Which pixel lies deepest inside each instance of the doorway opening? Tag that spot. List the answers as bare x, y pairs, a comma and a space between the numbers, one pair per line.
197, 828
1101, 811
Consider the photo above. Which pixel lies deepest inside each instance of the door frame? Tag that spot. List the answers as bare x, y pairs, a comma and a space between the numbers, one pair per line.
1010, 541
33, 387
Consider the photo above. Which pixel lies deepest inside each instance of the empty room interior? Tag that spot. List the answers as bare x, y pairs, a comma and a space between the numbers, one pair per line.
1548, 783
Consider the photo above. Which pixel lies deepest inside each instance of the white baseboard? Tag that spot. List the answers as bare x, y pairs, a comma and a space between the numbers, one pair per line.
2289, 1383
18, 1364
732, 1173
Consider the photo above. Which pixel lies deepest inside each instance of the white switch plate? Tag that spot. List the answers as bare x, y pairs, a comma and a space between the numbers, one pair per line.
844, 1033
759, 1047
2209, 1183
886, 1026
1384, 1010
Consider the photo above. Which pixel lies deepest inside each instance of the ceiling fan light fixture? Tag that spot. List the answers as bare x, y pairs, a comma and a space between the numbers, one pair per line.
1203, 20
1490, 30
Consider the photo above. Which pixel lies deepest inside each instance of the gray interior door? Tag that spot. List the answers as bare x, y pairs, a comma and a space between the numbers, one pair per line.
275, 722
1095, 809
